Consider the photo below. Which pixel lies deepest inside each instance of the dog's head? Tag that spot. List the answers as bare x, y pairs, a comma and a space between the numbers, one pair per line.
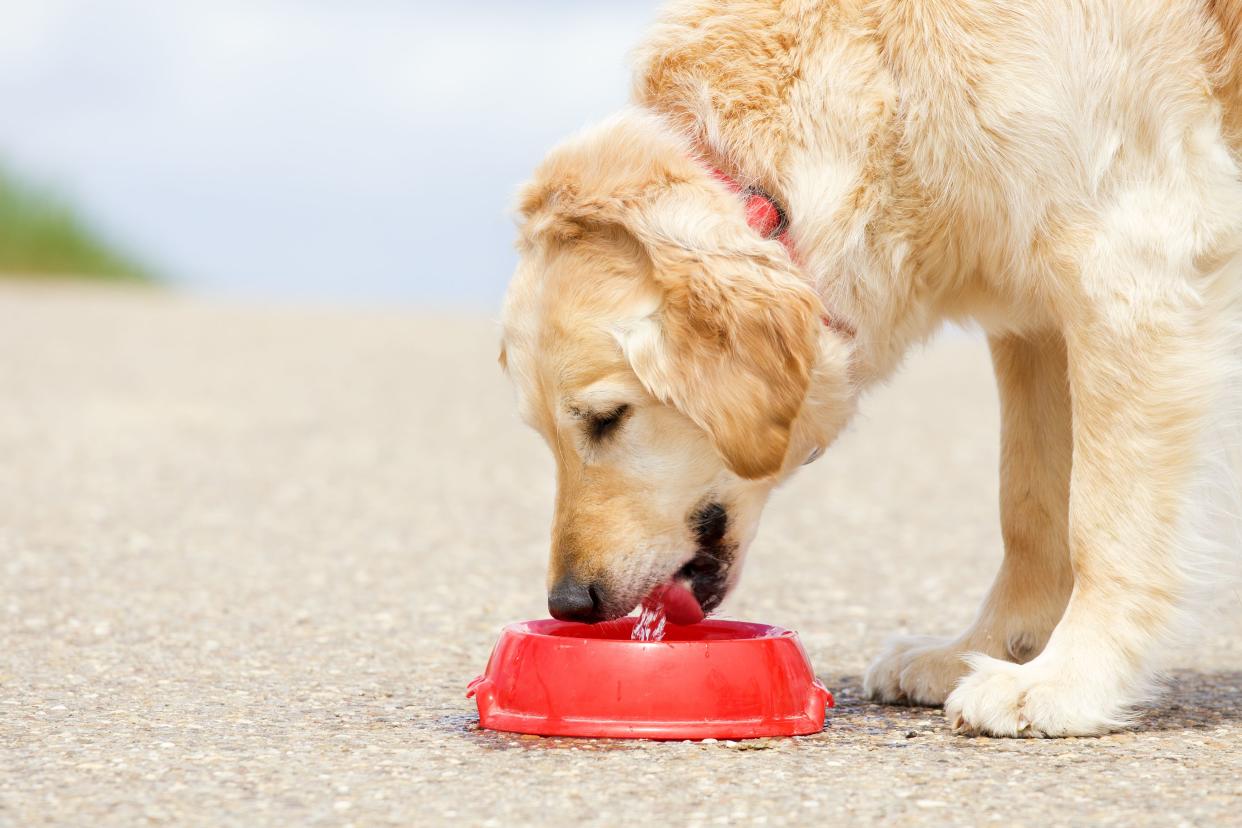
664, 350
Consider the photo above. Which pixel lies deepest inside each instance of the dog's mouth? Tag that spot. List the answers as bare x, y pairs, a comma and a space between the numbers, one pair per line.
707, 577
700, 585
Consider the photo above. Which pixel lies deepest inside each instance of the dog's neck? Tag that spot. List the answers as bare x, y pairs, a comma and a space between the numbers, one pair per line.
870, 229
855, 257
861, 226
866, 272
769, 219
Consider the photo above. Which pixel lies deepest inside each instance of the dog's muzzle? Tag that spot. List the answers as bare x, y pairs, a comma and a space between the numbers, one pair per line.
707, 573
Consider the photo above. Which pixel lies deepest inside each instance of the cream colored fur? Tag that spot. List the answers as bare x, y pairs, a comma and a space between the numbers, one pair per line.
1063, 174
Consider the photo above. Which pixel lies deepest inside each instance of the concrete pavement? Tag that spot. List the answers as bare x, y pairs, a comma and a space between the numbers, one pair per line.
250, 557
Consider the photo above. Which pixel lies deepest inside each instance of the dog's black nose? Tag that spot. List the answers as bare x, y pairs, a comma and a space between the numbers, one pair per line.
573, 600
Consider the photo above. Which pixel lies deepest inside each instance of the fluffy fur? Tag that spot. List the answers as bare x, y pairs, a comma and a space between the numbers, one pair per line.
1063, 174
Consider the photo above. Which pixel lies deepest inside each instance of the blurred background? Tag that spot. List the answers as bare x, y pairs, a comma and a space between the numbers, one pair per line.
360, 152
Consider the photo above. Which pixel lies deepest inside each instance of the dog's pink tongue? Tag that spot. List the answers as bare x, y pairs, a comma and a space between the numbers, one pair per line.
680, 605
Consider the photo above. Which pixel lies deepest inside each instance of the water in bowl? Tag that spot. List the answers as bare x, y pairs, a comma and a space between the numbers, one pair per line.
651, 623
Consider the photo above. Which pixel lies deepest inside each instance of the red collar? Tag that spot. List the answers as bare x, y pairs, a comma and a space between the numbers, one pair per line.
763, 213
770, 220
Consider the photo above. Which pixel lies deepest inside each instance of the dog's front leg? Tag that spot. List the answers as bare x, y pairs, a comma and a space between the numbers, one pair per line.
1140, 357
1033, 584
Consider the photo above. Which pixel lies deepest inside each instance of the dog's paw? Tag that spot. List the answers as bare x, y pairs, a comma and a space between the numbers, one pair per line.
915, 670
999, 698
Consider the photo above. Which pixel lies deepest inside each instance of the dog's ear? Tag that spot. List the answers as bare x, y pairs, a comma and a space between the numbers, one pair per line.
733, 342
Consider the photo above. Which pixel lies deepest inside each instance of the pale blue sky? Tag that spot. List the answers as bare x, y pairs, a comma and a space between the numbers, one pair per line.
306, 149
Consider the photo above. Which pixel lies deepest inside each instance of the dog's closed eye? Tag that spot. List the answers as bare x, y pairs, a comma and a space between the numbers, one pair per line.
602, 425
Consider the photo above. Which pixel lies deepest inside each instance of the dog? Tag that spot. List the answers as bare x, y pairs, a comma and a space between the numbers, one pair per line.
802, 190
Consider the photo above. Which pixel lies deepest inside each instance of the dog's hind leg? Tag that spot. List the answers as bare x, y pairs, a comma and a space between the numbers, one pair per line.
1034, 582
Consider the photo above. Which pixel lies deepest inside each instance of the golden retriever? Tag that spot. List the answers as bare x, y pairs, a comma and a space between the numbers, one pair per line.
1064, 174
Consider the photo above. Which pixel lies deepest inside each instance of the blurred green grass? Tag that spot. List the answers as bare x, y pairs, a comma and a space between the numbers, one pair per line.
43, 236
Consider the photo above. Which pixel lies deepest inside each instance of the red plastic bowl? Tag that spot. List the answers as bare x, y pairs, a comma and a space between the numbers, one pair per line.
716, 679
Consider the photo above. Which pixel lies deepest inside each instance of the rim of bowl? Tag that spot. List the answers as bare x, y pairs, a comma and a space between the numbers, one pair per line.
769, 632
